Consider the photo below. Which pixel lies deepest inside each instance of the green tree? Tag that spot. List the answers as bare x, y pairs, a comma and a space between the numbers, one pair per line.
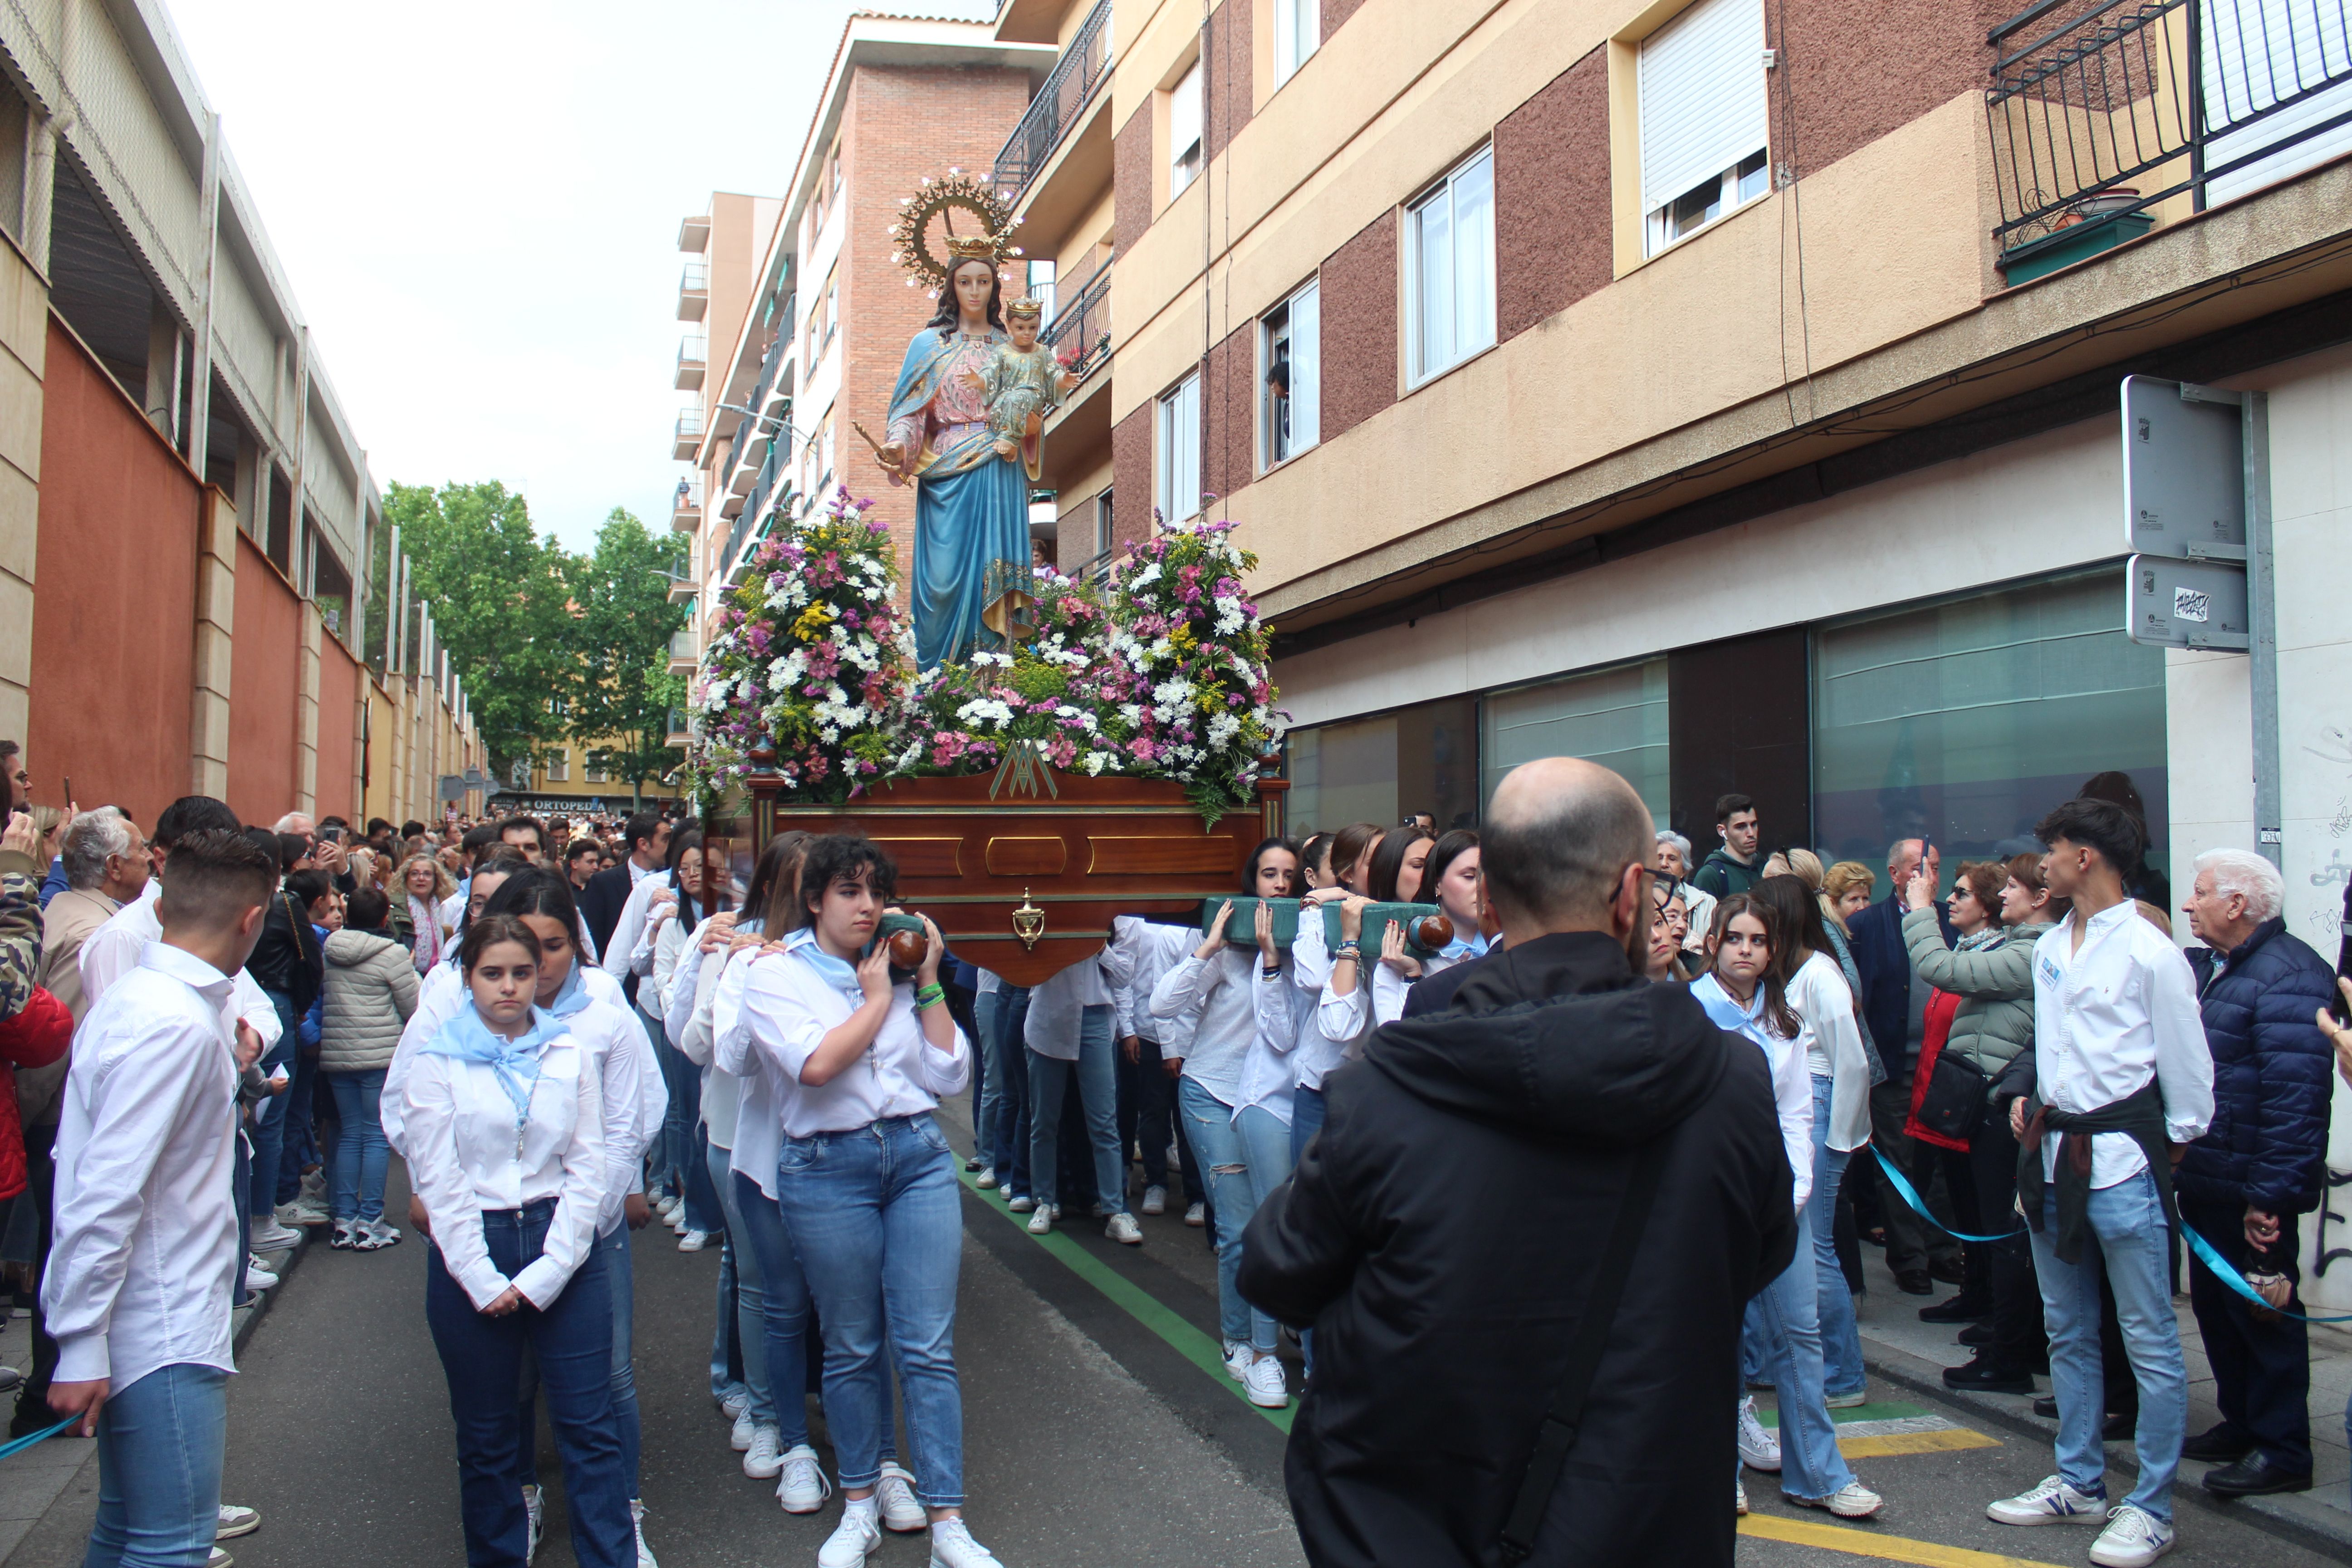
620, 691
498, 596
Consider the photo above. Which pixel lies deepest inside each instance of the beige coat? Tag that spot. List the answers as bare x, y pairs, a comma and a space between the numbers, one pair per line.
68, 921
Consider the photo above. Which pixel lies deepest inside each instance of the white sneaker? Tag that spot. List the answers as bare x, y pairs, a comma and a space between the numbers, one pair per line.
1122, 1227
801, 1485
1237, 1362
764, 1456
258, 1277
667, 1205
1268, 1388
1197, 1215
1040, 1221
677, 1225
1852, 1500
2134, 1538
1739, 1497
954, 1547
303, 1210
346, 1235
734, 1405
535, 1507
236, 1521
693, 1240
220, 1559
852, 1541
1175, 1156
895, 1500
985, 1180
1759, 1449
1057, 1211
740, 1435
1022, 1205
1155, 1199
268, 1235
2055, 1501
637, 1522
375, 1236
1859, 1397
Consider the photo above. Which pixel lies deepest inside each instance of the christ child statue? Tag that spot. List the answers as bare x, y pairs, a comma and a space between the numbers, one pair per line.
1022, 382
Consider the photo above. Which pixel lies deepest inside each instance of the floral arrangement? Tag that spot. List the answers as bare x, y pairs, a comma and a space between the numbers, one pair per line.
811, 656
1166, 675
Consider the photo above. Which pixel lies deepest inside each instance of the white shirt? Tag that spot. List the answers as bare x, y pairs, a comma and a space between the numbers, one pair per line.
1058, 1004
1270, 1070
462, 1159
145, 1251
1793, 1081
759, 1094
1319, 1048
118, 947
621, 954
1144, 951
693, 994
2108, 1017
789, 1008
1218, 991
453, 909
1829, 1042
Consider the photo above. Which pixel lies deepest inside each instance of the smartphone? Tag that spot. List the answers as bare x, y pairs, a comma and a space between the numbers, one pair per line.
69, 794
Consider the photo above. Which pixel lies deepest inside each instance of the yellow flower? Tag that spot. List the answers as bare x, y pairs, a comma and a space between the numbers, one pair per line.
812, 622
1181, 636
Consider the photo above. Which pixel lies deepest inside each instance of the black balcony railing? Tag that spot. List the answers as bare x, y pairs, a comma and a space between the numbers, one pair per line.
2134, 102
755, 505
1084, 67
1082, 328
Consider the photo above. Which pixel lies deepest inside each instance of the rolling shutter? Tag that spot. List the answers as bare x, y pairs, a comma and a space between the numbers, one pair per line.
1703, 102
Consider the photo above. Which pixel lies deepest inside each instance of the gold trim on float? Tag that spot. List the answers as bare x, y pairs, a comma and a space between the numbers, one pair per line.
911, 900
1028, 921
787, 810
957, 936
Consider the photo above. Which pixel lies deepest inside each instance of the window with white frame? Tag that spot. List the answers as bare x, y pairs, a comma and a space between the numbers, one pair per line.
1450, 270
559, 767
1290, 401
1704, 116
1184, 131
598, 773
1178, 471
1298, 31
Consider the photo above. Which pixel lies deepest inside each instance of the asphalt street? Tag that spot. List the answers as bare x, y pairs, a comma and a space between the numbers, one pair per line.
1099, 1426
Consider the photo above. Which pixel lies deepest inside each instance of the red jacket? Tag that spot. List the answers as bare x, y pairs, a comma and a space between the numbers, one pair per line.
34, 1038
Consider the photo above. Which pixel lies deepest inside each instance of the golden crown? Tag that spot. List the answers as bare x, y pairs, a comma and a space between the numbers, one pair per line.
924, 240
1025, 308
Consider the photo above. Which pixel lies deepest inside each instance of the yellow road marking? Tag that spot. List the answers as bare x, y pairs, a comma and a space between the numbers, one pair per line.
1949, 1439
1870, 1544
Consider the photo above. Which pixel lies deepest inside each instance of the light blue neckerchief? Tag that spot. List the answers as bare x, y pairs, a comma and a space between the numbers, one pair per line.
1462, 947
574, 995
515, 1063
1728, 1014
839, 973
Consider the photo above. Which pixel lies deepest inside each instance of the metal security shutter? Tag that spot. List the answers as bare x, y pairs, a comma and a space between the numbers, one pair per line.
1702, 96
2256, 54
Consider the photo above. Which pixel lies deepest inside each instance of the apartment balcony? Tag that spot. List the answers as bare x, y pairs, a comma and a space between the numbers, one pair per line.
2136, 112
686, 507
1079, 334
1084, 68
684, 441
682, 589
694, 292
682, 652
694, 234
693, 354
680, 732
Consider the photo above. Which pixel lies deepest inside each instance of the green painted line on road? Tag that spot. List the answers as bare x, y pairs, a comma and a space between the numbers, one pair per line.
1892, 1410
1200, 1349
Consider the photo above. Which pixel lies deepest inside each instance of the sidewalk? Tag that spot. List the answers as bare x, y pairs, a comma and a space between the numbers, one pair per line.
39, 1480
1896, 1344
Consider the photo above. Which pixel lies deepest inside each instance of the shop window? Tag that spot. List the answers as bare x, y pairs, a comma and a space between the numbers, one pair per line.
1423, 758
1970, 718
1616, 718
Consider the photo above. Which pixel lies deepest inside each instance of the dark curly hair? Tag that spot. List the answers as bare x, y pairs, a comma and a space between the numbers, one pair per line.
843, 858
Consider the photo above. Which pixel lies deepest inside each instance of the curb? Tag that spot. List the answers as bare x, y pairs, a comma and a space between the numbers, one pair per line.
2293, 1518
282, 1263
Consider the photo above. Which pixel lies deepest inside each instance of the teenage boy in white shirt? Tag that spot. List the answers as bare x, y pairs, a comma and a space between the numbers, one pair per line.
137, 1289
2121, 1067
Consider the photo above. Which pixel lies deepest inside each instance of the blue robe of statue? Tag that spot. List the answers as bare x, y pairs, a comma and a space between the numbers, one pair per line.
971, 506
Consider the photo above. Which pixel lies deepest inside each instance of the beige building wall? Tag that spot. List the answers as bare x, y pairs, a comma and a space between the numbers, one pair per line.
24, 336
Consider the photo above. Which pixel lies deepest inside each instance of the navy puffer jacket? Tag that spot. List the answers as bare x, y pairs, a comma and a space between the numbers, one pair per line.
2273, 1074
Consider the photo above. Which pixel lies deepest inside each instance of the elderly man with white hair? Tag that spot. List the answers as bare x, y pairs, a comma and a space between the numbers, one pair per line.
2242, 1186
106, 866
1675, 860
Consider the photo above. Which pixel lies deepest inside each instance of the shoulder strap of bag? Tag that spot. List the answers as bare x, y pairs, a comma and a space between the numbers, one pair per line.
1557, 1437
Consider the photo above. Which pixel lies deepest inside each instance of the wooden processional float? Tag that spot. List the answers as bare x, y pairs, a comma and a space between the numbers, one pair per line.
1025, 869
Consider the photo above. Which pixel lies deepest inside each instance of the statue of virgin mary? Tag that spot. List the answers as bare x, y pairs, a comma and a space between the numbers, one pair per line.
971, 577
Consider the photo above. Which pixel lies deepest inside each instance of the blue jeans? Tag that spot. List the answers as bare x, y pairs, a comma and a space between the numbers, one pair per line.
570, 1342
679, 1160
160, 1443
740, 1329
1009, 1070
1842, 1368
300, 1146
876, 1218
779, 1307
1096, 1071
361, 1153
1306, 1119
2130, 1240
268, 1129
1783, 1332
620, 1283
985, 1009
1225, 1151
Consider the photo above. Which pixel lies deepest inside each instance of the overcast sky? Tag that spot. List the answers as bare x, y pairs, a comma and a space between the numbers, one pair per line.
477, 205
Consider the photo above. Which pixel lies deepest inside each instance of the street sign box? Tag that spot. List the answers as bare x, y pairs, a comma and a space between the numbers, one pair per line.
2186, 604
2184, 472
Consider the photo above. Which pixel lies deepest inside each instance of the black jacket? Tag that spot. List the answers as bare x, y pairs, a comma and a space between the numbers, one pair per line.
602, 901
1441, 1235
287, 959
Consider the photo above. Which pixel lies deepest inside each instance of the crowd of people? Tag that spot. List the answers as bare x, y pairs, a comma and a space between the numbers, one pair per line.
1707, 1088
